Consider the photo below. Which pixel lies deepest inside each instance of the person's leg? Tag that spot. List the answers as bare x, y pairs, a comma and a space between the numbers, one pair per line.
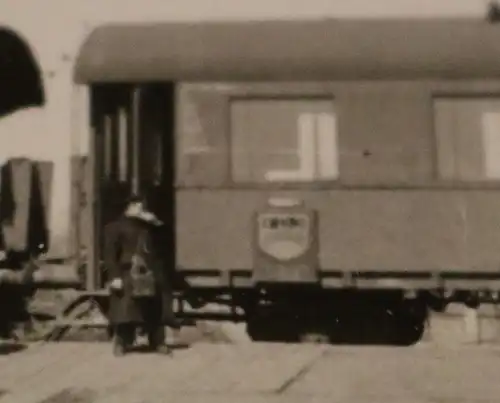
119, 345
156, 339
153, 326
167, 313
124, 338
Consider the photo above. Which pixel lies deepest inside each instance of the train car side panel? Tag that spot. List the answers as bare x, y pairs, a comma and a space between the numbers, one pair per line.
358, 230
394, 206
385, 133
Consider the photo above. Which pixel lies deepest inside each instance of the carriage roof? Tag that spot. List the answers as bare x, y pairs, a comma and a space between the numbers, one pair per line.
291, 50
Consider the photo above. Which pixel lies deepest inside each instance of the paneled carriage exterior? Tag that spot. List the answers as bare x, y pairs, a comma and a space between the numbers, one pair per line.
381, 140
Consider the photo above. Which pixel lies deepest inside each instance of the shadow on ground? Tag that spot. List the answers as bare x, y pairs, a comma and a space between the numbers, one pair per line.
72, 396
144, 348
9, 348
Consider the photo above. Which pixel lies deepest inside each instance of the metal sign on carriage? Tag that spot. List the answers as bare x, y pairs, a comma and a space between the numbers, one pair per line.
284, 236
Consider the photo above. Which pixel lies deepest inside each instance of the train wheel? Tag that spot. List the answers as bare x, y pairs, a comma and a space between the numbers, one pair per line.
273, 328
410, 319
315, 338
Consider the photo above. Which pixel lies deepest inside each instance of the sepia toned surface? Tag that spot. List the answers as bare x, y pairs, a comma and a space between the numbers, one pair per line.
54, 33
87, 373
392, 134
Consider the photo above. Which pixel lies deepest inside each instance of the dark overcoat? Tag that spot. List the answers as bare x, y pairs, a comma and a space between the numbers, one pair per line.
121, 240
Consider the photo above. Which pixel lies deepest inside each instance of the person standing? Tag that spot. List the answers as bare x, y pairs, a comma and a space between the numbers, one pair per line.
141, 289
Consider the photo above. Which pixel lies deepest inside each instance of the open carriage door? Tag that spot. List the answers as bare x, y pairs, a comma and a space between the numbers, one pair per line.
155, 104
155, 164
112, 151
133, 153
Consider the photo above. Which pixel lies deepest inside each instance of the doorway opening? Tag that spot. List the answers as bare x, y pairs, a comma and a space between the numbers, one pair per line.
134, 129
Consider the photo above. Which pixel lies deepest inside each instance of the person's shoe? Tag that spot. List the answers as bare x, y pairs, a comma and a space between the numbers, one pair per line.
164, 350
118, 350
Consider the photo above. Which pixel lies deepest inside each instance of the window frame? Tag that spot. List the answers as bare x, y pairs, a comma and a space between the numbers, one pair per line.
457, 182
429, 91
265, 97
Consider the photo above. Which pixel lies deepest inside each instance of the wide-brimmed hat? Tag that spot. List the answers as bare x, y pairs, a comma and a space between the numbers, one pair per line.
147, 214
137, 198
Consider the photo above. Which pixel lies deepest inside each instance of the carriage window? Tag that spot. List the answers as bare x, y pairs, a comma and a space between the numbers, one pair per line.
468, 138
108, 146
115, 135
122, 145
283, 141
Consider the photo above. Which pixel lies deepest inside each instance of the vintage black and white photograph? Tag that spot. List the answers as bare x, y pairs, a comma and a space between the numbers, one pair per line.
268, 201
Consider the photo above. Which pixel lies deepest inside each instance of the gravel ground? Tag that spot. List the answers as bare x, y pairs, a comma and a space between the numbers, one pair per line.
88, 373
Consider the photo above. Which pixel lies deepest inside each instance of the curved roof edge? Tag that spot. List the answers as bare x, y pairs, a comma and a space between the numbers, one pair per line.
291, 50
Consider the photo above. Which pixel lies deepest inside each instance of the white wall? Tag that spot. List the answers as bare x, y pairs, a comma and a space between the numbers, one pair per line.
55, 29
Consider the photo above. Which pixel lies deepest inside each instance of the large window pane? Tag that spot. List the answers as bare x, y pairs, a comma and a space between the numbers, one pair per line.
115, 145
123, 145
468, 139
283, 141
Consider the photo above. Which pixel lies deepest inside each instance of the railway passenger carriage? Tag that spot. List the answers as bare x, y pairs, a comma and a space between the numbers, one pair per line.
320, 167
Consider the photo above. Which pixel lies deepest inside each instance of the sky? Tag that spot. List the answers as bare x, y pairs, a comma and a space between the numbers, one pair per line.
64, 21
189, 9
266, 8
